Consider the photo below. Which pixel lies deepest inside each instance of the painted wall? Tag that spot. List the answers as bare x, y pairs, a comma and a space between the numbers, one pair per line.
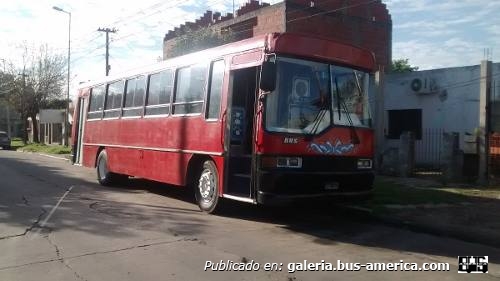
451, 103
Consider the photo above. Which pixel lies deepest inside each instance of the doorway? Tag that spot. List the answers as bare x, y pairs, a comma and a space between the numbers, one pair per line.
79, 122
240, 132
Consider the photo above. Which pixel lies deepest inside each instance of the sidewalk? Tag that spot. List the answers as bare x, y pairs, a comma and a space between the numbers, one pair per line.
465, 212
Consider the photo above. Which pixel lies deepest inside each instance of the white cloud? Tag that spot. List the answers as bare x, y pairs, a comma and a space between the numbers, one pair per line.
438, 30
446, 6
429, 55
141, 26
444, 33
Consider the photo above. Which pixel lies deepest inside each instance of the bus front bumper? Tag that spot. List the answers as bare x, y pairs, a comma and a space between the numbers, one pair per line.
277, 188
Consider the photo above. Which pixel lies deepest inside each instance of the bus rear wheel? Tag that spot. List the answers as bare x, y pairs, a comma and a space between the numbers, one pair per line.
207, 187
104, 176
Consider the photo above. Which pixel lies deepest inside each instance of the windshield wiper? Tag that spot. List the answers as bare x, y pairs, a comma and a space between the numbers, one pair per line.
321, 113
317, 121
358, 85
338, 95
340, 101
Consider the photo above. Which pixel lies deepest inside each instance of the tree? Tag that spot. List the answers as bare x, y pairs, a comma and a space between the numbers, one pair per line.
36, 82
402, 66
200, 39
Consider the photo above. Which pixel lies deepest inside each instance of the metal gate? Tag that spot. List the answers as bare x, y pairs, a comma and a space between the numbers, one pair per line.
494, 156
428, 151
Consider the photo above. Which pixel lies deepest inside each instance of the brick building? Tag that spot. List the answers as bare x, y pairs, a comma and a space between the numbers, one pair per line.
356, 22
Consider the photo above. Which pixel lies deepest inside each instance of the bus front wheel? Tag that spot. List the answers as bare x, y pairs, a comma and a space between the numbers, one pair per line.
207, 187
104, 176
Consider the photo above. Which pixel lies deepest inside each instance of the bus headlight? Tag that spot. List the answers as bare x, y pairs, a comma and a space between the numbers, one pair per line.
364, 163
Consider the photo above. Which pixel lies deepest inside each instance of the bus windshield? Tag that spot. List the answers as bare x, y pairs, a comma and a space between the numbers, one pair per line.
311, 96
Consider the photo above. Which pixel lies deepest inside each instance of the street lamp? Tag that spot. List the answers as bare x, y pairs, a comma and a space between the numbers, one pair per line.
66, 118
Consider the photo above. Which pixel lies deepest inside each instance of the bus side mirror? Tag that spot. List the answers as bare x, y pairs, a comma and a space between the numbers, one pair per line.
268, 76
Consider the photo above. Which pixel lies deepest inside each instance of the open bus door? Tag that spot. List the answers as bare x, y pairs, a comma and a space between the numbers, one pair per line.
79, 129
240, 130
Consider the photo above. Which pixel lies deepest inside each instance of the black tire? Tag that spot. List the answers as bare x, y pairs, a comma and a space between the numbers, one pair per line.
104, 175
206, 187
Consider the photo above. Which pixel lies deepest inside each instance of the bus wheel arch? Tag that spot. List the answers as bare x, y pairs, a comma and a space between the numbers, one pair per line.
104, 175
101, 148
203, 178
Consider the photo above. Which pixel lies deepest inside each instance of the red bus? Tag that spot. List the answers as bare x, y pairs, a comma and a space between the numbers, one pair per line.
272, 118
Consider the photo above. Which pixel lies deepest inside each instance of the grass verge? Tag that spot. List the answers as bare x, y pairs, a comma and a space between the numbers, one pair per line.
17, 144
391, 197
386, 192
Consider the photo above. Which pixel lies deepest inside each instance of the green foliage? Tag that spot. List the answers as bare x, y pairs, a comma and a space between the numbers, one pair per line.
386, 192
16, 143
402, 66
33, 84
54, 104
201, 39
41, 148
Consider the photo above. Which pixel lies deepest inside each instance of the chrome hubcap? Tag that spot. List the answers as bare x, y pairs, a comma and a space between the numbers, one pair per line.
206, 185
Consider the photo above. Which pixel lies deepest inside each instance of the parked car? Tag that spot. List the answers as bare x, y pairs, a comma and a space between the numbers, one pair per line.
4, 140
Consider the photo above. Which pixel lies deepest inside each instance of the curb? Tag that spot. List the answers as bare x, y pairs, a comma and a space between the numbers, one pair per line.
44, 154
479, 238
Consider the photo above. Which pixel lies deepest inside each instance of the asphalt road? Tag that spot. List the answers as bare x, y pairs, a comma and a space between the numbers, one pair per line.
56, 223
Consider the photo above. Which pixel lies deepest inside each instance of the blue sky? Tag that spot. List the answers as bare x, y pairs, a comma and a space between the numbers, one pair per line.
434, 34
431, 34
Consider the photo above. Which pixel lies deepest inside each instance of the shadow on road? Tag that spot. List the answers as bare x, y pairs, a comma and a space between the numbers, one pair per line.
103, 211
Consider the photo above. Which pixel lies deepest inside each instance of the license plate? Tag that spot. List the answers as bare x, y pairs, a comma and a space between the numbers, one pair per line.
332, 186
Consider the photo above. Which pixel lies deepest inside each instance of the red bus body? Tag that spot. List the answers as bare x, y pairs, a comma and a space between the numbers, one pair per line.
171, 148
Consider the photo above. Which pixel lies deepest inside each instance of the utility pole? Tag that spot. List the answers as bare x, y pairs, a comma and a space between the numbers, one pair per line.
65, 141
379, 116
483, 131
24, 116
107, 30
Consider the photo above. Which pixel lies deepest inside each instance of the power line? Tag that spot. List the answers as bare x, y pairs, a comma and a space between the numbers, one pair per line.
334, 10
156, 11
136, 16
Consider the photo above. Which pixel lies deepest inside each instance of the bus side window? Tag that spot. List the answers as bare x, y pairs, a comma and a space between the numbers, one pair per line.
134, 95
190, 90
96, 102
114, 99
215, 90
159, 92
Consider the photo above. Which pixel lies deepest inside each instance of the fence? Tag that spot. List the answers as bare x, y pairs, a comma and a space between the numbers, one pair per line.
494, 157
428, 150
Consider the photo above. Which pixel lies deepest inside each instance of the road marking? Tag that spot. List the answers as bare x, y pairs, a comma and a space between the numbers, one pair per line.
43, 154
55, 157
41, 225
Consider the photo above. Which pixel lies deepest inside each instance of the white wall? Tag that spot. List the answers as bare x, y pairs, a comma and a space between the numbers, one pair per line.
453, 103
51, 116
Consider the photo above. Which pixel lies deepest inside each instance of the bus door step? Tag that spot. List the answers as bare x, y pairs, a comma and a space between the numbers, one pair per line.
240, 165
242, 175
239, 197
239, 184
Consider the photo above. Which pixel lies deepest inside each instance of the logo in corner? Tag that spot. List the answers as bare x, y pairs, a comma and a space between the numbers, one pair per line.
473, 264
327, 147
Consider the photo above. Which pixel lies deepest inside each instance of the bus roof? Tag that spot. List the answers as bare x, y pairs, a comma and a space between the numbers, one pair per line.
323, 49
294, 44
